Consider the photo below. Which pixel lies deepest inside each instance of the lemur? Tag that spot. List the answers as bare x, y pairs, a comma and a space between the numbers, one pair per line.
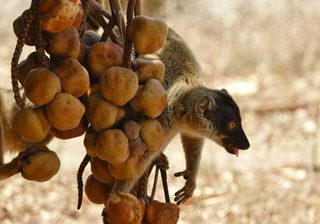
194, 111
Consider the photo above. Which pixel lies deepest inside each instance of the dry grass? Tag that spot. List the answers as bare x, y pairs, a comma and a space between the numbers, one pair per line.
266, 53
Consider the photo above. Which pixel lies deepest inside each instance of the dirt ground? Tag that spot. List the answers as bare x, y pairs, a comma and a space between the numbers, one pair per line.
266, 54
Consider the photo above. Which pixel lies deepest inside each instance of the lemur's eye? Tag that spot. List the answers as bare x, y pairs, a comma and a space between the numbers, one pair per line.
232, 125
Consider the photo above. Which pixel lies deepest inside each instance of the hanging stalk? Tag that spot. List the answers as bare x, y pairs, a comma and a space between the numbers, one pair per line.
86, 4
81, 169
27, 16
128, 45
41, 55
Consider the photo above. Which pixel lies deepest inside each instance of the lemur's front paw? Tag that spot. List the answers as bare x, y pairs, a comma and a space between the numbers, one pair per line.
186, 192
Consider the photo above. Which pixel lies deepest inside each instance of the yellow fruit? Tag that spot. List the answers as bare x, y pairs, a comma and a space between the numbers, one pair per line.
101, 113
102, 56
41, 86
74, 77
151, 99
43, 165
147, 68
118, 85
65, 111
96, 191
100, 170
152, 134
148, 34
113, 146
31, 124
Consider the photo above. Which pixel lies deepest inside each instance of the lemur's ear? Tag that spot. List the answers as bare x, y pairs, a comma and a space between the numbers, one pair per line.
224, 91
206, 103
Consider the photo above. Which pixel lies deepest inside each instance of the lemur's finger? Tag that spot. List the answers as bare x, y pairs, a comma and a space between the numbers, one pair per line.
179, 191
179, 174
179, 197
183, 200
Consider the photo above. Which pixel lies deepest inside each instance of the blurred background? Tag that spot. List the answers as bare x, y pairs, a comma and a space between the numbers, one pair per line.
266, 53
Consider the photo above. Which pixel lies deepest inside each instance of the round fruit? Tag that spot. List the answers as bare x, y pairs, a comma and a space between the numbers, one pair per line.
58, 15
43, 165
64, 44
131, 169
152, 134
65, 111
72, 133
151, 99
118, 85
100, 170
31, 124
113, 146
89, 142
73, 76
147, 68
41, 86
27, 65
124, 208
148, 34
162, 213
102, 56
101, 113
96, 191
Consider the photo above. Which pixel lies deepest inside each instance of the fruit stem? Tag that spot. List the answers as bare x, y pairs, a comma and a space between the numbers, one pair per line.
81, 169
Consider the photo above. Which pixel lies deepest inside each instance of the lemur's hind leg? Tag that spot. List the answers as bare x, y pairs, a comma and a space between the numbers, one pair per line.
125, 186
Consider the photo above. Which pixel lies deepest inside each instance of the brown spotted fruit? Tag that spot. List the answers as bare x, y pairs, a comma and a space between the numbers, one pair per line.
101, 113
162, 213
152, 134
31, 124
151, 99
73, 76
122, 208
90, 140
25, 66
72, 133
19, 26
113, 146
102, 56
58, 15
65, 111
96, 191
43, 165
148, 68
100, 170
148, 34
41, 85
64, 44
118, 85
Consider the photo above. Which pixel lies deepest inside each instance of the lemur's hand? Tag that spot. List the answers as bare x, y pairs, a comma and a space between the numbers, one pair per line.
186, 192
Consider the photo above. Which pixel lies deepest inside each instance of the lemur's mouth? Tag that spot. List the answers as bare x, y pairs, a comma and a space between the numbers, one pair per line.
230, 147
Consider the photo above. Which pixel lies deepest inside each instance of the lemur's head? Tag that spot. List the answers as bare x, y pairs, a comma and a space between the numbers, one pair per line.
218, 118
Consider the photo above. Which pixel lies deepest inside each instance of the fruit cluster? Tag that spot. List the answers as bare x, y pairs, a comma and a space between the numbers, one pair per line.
78, 85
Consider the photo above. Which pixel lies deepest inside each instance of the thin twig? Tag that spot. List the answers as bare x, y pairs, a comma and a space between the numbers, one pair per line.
107, 30
137, 8
155, 182
116, 10
165, 185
